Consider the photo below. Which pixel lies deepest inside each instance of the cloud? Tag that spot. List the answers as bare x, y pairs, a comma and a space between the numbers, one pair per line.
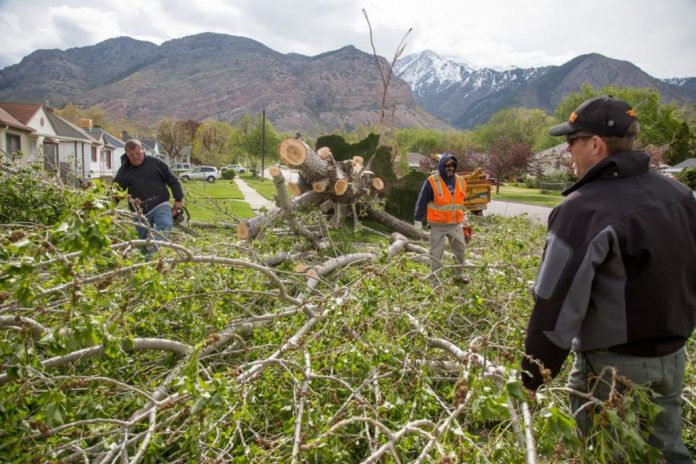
657, 36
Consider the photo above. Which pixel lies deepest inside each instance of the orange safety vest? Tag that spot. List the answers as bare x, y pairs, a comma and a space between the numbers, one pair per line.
446, 208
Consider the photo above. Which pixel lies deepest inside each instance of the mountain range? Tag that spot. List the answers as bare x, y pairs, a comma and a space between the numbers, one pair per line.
220, 76
465, 96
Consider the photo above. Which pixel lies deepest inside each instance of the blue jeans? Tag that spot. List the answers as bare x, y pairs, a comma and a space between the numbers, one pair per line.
664, 375
161, 222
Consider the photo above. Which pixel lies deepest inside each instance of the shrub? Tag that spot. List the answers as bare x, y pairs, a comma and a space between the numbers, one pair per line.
228, 174
403, 194
688, 177
531, 182
342, 150
28, 195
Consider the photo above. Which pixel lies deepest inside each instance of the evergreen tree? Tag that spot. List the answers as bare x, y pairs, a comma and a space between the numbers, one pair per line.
682, 145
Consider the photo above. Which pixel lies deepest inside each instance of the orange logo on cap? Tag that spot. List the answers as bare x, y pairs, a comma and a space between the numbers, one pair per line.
631, 113
572, 117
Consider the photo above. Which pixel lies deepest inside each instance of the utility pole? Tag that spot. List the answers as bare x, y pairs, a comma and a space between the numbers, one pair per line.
263, 141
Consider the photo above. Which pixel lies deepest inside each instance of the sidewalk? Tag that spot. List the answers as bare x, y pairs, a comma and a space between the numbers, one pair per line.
540, 214
252, 197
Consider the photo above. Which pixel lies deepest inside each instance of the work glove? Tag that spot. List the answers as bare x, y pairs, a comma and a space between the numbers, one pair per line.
468, 233
418, 225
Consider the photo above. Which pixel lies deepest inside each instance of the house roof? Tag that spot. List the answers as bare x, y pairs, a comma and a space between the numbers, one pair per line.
66, 129
23, 112
147, 143
108, 138
9, 120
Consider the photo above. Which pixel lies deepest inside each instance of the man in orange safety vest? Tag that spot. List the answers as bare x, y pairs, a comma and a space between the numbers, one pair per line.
441, 203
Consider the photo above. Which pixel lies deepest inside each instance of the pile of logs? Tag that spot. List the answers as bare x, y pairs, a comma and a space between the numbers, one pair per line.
332, 185
341, 181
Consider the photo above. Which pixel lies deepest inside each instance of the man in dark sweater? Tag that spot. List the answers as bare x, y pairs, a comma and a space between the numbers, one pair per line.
146, 179
617, 283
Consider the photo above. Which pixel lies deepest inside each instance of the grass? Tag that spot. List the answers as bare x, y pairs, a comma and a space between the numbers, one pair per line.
265, 188
221, 189
527, 196
221, 201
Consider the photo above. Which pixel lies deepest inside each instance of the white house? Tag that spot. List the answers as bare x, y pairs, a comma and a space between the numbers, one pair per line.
113, 148
14, 135
42, 147
56, 143
77, 150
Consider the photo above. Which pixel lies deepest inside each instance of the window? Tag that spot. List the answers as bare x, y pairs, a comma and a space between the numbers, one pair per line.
94, 154
13, 143
107, 154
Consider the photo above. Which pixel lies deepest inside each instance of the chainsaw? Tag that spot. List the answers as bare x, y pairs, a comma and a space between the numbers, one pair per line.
181, 217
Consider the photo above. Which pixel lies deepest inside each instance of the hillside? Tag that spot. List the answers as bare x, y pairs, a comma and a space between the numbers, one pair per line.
214, 76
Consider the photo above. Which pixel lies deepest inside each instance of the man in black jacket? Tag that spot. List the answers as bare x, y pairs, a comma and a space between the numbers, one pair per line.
617, 283
146, 179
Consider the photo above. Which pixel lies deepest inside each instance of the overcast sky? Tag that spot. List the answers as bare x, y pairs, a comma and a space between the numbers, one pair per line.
659, 36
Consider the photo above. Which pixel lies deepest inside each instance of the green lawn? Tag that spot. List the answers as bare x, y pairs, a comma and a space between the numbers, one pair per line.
222, 189
218, 202
527, 196
265, 188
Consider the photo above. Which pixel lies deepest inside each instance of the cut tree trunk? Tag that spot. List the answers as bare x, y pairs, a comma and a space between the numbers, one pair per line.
342, 181
250, 228
321, 180
397, 224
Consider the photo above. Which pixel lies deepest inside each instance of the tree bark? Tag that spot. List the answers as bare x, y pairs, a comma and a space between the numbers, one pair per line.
342, 181
396, 224
249, 229
286, 205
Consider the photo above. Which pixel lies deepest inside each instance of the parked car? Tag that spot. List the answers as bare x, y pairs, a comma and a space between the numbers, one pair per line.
208, 173
235, 168
181, 167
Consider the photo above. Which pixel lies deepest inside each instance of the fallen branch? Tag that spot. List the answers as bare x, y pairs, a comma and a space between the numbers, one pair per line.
138, 345
249, 229
286, 206
21, 322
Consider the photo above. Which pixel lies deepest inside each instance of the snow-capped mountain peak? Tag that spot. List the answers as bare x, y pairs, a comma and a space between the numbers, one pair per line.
428, 68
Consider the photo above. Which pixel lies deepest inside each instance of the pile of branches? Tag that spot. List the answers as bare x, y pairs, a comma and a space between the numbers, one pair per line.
219, 350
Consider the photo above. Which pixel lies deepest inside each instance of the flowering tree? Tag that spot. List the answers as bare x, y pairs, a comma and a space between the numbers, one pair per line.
507, 158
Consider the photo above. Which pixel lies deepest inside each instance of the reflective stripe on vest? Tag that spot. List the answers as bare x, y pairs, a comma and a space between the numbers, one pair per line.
445, 207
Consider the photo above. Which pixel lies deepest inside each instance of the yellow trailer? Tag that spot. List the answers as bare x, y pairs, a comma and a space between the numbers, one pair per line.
478, 191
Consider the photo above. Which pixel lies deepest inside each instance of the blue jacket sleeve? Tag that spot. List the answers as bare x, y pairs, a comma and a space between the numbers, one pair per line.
425, 196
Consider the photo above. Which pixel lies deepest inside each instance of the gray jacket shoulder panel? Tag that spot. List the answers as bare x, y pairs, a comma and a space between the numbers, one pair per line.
593, 313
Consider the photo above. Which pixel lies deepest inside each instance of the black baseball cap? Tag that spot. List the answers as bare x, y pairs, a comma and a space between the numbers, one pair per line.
603, 115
